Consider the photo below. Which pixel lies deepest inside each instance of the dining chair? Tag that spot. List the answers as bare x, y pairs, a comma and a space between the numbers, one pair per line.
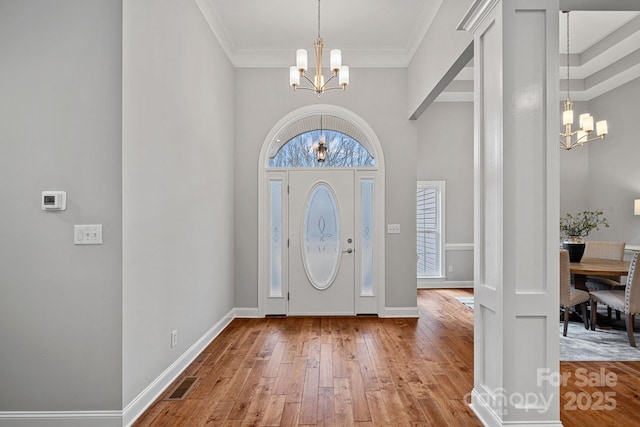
606, 250
570, 296
627, 301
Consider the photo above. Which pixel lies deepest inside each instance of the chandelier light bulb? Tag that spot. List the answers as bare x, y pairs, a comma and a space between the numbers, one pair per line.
301, 60
344, 76
336, 60
294, 76
602, 128
567, 117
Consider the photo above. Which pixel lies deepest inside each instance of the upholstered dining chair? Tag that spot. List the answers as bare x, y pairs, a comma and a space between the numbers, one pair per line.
627, 301
570, 296
606, 250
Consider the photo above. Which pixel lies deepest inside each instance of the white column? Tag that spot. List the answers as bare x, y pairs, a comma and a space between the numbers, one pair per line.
516, 211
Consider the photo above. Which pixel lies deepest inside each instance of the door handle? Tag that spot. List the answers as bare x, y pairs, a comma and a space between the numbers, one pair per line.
348, 251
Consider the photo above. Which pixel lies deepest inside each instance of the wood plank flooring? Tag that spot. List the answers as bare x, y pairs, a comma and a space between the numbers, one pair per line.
360, 371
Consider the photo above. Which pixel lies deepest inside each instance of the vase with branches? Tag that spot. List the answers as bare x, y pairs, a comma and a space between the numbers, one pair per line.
575, 227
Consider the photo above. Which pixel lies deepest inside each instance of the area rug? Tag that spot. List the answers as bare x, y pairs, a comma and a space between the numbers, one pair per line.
601, 345
585, 345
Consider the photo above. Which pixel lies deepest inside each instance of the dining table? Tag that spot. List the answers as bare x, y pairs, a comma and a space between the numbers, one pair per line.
596, 267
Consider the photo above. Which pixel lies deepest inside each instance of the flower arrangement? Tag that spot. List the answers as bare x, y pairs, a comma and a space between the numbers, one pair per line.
581, 224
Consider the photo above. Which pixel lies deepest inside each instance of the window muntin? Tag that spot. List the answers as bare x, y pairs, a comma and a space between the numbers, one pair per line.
342, 151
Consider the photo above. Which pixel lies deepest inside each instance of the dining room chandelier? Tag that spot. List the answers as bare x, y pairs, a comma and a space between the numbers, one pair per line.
318, 84
585, 120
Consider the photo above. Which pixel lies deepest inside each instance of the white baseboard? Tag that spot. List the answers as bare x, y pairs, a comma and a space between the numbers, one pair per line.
61, 419
246, 312
488, 417
141, 402
445, 284
400, 312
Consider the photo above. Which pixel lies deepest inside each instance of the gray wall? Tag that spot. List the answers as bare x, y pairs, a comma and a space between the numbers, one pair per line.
445, 152
178, 185
605, 174
614, 171
60, 129
379, 96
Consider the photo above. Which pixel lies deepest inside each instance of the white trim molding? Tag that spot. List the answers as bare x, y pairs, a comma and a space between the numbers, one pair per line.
410, 312
246, 312
631, 249
444, 284
61, 418
458, 246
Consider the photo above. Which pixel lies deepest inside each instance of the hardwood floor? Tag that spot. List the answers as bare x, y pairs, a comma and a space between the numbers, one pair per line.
362, 371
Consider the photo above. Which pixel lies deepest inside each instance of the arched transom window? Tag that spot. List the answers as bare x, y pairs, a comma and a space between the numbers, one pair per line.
297, 145
342, 151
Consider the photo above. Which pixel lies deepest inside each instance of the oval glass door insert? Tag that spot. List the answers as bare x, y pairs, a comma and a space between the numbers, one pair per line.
321, 237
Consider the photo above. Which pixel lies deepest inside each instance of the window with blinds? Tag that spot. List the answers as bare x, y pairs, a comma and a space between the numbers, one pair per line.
429, 228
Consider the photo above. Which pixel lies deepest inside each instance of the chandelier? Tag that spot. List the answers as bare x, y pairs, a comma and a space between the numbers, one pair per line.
585, 120
318, 84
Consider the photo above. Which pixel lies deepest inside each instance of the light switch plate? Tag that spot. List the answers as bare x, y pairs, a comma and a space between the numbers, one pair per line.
90, 234
393, 228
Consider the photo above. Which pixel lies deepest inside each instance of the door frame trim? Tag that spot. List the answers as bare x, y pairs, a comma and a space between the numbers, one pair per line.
264, 173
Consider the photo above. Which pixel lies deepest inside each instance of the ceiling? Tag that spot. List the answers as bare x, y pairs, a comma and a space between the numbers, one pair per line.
370, 33
604, 46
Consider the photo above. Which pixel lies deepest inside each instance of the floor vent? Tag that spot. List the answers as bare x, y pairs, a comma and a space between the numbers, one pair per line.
183, 388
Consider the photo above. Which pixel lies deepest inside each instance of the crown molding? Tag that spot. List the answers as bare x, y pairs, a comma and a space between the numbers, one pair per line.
476, 14
600, 5
212, 17
357, 58
429, 13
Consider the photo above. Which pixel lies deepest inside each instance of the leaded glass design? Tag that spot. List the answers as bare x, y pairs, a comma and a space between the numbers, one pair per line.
275, 235
342, 151
321, 237
366, 286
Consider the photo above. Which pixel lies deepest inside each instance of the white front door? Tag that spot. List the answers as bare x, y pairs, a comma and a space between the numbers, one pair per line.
322, 242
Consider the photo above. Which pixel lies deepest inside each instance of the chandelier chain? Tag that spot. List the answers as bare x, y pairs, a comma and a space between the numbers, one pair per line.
318, 19
568, 76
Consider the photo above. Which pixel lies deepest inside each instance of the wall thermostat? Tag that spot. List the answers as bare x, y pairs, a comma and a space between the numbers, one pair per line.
54, 200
